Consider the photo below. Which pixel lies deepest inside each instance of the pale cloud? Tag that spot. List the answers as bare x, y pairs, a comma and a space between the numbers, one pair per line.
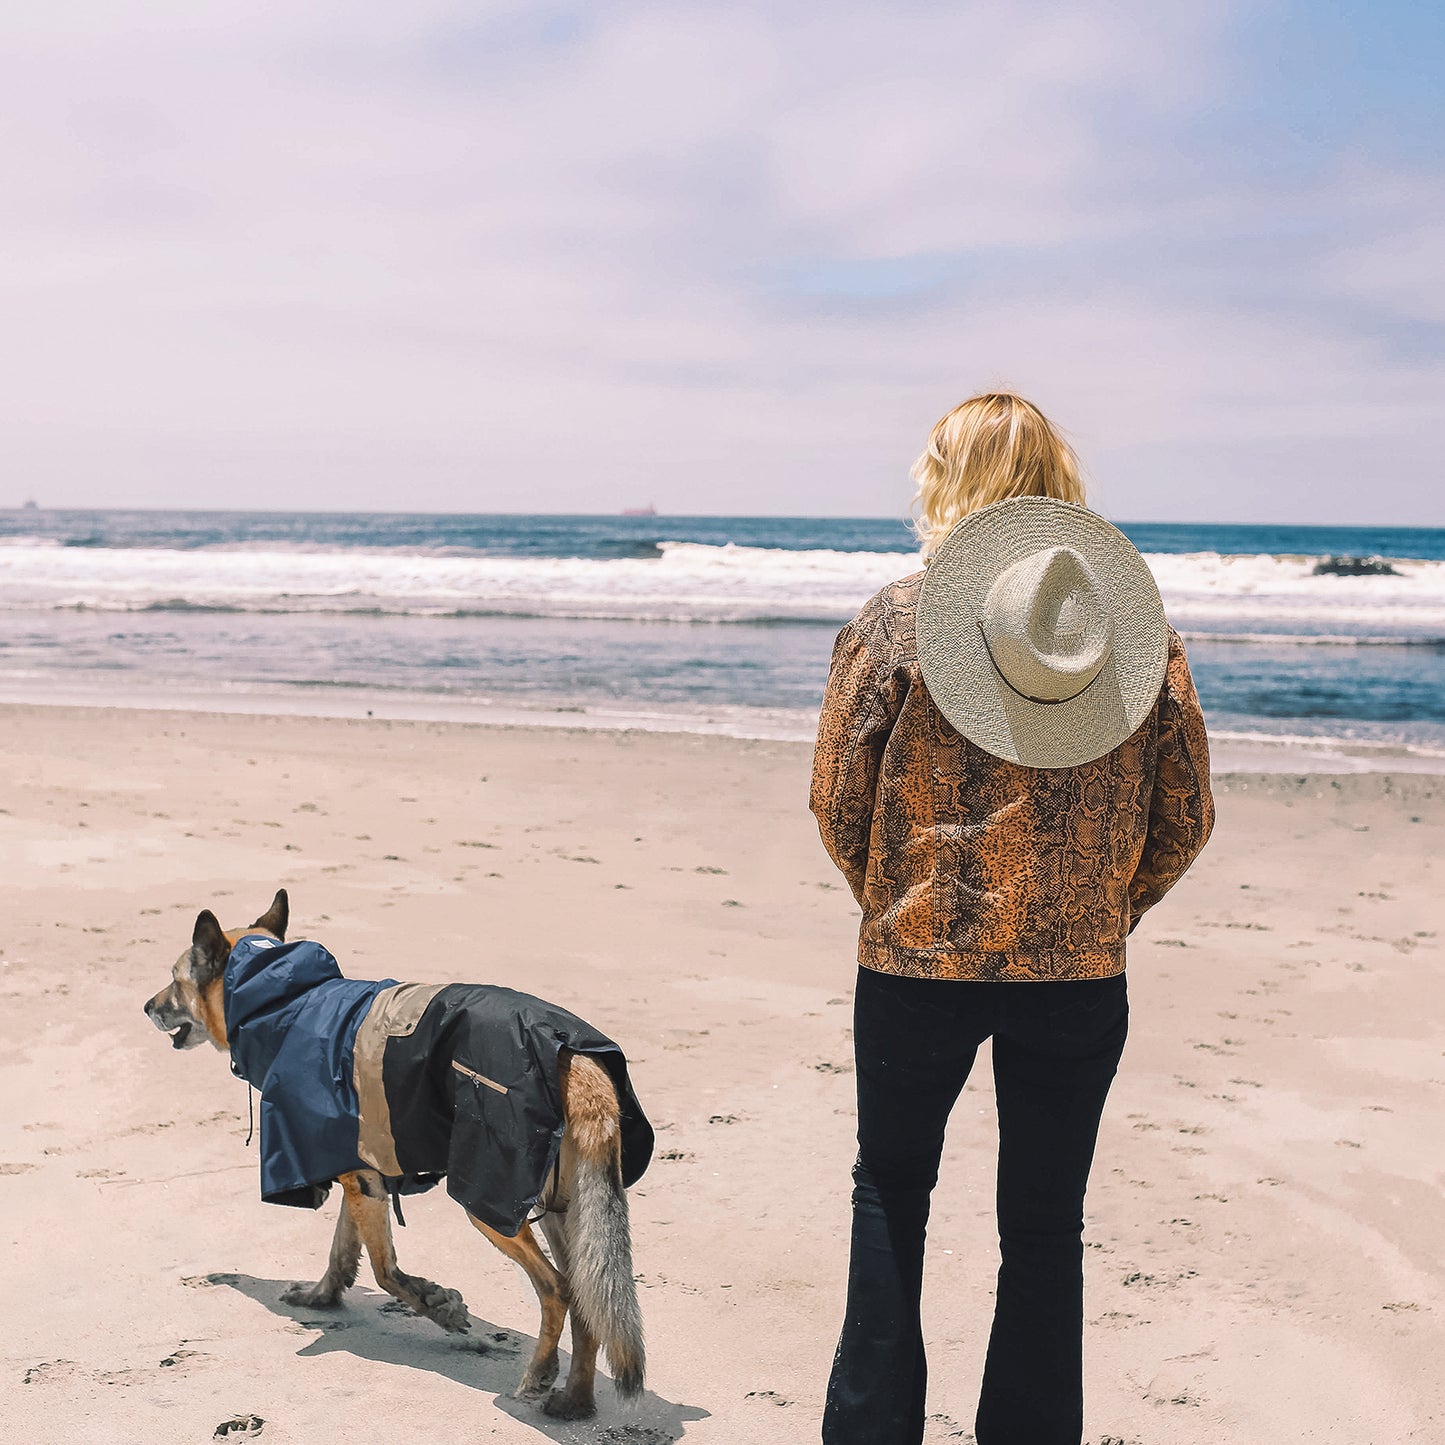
723, 257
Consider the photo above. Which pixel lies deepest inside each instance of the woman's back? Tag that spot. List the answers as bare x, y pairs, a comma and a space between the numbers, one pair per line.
969, 866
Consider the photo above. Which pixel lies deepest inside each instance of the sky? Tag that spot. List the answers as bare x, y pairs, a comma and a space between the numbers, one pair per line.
720, 257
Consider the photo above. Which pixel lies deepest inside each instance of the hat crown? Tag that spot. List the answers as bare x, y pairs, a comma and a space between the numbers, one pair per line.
1047, 626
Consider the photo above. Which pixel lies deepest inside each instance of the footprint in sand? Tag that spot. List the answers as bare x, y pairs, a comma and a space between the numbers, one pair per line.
181, 1356
54, 1371
951, 1429
50, 1370
206, 1281
483, 1347
239, 1427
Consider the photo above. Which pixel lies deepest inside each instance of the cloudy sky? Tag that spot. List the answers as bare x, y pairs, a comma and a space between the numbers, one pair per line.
723, 257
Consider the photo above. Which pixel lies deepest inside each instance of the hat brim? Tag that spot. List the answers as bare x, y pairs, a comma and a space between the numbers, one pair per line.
961, 677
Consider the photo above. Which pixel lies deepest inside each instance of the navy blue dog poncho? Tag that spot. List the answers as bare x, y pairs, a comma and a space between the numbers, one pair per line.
416, 1081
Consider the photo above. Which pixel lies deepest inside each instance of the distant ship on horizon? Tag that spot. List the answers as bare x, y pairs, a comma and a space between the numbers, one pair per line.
648, 511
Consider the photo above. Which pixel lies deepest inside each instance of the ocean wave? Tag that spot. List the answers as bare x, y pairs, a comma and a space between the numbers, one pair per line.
683, 581
602, 549
1254, 598
519, 613
1311, 639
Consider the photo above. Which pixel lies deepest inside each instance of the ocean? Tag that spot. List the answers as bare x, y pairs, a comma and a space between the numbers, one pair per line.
720, 624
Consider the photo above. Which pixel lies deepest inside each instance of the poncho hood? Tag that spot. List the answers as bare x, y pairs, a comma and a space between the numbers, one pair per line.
291, 1020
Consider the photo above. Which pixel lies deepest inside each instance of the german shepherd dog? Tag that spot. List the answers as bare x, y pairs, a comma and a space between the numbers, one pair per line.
583, 1207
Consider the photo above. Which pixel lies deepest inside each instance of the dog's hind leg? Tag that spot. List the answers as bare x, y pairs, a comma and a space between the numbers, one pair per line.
370, 1206
551, 1290
574, 1401
340, 1268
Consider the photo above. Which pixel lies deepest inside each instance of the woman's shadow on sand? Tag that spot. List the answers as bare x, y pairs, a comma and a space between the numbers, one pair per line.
373, 1326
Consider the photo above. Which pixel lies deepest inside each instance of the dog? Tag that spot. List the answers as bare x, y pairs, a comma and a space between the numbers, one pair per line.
560, 1096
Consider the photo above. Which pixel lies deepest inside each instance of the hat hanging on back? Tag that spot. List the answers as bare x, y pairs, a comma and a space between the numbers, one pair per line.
1041, 635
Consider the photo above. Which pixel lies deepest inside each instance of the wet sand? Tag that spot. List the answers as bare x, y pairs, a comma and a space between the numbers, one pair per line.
1267, 1222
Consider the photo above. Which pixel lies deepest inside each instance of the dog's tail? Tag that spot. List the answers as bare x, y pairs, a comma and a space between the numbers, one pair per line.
599, 1234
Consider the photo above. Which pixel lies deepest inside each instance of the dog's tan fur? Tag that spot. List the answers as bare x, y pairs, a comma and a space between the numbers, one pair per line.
191, 1010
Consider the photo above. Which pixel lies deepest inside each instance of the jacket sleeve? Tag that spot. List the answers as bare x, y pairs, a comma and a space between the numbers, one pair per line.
859, 708
1181, 807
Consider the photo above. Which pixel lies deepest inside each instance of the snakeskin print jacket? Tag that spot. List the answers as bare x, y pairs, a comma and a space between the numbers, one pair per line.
970, 867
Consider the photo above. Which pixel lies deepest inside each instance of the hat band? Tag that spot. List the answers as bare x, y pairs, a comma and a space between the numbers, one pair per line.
1042, 701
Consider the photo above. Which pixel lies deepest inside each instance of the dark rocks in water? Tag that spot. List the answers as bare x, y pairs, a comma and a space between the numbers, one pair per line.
639, 548
1354, 567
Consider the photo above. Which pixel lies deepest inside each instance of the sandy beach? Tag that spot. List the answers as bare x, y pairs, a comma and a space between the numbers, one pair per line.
1267, 1222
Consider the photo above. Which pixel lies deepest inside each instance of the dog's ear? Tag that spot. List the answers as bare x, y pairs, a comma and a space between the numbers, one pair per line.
277, 916
210, 948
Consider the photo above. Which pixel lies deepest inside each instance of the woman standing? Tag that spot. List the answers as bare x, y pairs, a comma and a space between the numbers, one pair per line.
1011, 767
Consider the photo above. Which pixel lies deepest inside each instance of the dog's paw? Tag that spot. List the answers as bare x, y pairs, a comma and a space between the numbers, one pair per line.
444, 1307
561, 1405
311, 1297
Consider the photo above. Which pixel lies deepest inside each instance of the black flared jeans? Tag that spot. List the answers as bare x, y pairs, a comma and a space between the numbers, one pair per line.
1056, 1047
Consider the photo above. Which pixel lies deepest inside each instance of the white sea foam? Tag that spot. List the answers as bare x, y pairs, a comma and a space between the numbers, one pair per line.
1257, 597
688, 581
1207, 589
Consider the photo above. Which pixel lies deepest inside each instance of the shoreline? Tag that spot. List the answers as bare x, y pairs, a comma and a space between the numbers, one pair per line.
1231, 751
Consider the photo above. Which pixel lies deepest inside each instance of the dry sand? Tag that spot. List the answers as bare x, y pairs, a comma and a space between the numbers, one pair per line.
1267, 1224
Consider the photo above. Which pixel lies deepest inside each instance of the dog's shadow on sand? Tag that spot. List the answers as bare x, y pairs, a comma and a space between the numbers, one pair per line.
491, 1358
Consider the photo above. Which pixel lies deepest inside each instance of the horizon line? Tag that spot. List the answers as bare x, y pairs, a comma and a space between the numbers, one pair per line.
28, 507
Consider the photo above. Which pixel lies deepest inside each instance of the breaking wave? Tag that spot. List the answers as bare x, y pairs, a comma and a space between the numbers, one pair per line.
1247, 599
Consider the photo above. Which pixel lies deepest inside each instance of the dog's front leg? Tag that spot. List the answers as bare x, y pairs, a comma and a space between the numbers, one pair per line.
340, 1268
367, 1201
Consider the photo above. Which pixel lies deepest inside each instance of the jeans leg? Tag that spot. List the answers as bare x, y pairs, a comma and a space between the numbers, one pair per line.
1054, 1059
913, 1054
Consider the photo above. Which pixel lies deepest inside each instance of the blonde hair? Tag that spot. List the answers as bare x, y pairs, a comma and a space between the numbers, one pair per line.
991, 447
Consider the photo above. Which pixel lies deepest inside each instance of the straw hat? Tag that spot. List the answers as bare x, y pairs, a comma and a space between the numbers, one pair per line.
1041, 635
